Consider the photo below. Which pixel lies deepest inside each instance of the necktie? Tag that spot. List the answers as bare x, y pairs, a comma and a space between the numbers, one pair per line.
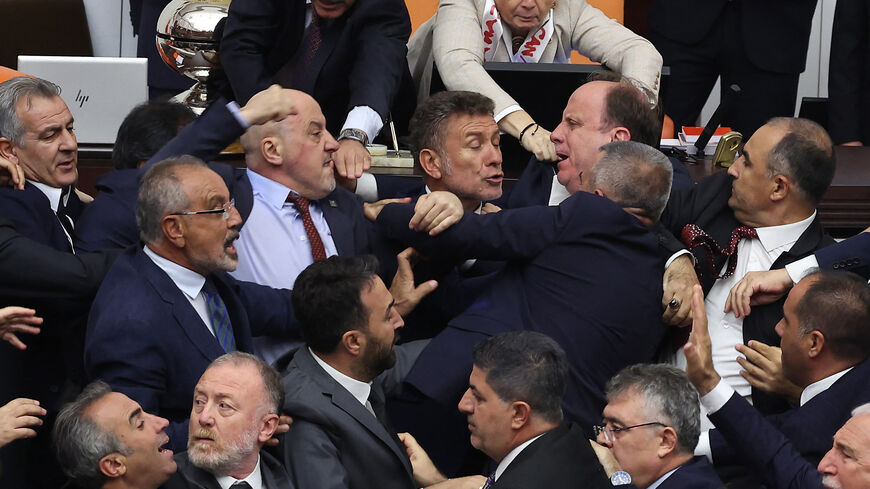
220, 319
693, 237
63, 214
311, 43
318, 252
240, 485
489, 481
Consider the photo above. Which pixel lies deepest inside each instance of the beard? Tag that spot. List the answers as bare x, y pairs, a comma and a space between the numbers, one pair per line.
830, 483
220, 458
379, 356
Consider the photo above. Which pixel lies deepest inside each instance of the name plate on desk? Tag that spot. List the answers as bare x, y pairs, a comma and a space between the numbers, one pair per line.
393, 159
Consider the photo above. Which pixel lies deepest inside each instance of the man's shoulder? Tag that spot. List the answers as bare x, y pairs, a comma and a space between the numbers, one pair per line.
697, 473
31, 199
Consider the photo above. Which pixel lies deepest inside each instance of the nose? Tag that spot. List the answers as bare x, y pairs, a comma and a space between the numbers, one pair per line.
779, 328
827, 465
557, 135
68, 141
465, 404
602, 440
235, 218
331, 143
732, 170
160, 424
206, 418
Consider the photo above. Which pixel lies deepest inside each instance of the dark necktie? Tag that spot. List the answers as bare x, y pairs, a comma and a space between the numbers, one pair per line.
693, 237
220, 319
318, 252
489, 481
311, 43
240, 485
63, 213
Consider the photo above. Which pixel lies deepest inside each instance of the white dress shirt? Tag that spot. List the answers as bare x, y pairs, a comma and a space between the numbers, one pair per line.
188, 282
254, 479
503, 465
359, 390
54, 195
726, 331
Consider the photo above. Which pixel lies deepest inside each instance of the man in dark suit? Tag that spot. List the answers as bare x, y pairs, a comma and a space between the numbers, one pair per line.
760, 46
825, 346
514, 409
166, 310
163, 81
235, 411
337, 382
765, 209
349, 55
849, 74
37, 134
651, 426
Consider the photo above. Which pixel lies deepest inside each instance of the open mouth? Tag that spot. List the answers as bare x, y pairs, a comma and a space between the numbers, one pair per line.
164, 448
495, 179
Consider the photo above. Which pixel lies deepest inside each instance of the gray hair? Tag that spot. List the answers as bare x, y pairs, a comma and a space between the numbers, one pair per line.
14, 90
669, 398
160, 194
862, 409
634, 175
80, 443
805, 155
525, 366
271, 378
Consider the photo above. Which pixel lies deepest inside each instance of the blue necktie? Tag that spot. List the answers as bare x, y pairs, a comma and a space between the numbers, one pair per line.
489, 481
220, 319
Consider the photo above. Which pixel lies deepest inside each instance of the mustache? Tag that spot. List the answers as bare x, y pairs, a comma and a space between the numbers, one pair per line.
232, 236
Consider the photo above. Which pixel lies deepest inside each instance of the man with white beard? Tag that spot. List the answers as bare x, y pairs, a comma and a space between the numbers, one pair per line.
235, 410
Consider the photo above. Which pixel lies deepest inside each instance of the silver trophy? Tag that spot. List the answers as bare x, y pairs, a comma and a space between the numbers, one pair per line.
186, 42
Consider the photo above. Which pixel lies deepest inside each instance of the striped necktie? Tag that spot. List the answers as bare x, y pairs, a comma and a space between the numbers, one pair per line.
220, 318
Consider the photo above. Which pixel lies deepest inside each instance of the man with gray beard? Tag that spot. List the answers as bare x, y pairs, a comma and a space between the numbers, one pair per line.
235, 410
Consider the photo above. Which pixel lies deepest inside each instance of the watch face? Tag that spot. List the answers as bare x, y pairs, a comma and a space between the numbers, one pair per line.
620, 478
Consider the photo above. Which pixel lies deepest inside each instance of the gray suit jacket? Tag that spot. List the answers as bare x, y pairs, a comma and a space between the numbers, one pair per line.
192, 477
335, 442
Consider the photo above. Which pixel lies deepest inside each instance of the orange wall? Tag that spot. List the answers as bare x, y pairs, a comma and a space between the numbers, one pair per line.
421, 10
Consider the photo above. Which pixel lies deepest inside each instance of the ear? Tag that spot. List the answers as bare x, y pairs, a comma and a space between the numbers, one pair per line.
173, 230
7, 150
668, 443
815, 343
620, 133
267, 428
599, 193
113, 465
353, 342
521, 414
271, 150
780, 189
430, 162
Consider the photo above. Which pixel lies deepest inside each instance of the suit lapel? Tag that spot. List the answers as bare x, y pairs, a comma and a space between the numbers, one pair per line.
811, 240
196, 475
340, 226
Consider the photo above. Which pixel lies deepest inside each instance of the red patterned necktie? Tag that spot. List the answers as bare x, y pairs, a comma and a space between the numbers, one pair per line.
693, 237
318, 252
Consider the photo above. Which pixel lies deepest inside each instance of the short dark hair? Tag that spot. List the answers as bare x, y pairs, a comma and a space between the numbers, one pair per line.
80, 443
628, 106
428, 123
634, 175
669, 398
525, 366
146, 129
271, 378
837, 304
805, 155
327, 299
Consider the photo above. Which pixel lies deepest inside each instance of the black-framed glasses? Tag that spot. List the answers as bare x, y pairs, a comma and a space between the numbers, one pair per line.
224, 209
609, 431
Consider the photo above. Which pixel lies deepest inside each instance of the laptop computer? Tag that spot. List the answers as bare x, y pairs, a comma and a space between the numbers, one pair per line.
99, 92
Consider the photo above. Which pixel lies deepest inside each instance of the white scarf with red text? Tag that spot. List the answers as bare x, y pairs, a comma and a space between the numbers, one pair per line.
493, 32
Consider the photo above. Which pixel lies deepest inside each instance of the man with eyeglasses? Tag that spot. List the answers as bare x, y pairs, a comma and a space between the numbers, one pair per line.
651, 426
166, 310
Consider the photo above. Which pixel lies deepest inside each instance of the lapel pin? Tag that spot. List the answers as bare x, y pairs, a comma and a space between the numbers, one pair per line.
333, 203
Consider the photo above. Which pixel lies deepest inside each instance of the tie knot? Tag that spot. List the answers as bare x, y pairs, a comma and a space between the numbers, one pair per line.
240, 485
745, 232
299, 201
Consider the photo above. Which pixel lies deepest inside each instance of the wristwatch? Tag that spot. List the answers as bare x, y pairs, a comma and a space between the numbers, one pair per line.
355, 134
620, 478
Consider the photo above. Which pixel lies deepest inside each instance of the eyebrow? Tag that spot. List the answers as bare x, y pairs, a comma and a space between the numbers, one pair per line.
135, 414
612, 420
390, 306
315, 125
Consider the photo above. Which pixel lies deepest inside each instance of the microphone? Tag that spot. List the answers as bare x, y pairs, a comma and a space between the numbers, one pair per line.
715, 120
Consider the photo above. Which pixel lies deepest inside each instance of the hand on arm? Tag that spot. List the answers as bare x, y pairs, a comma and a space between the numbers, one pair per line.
16, 419
757, 288
351, 159
406, 295
425, 472
14, 320
373, 209
762, 367
678, 281
699, 350
535, 139
435, 212
272, 104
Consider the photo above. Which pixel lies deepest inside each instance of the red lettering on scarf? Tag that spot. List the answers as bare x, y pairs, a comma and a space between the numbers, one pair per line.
487, 36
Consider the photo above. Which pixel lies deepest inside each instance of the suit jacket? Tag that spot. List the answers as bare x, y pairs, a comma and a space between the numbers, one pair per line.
763, 447
808, 428
335, 441
190, 476
559, 459
30, 212
360, 62
453, 39
569, 270
706, 205
694, 474
849, 73
778, 31
852, 255
146, 340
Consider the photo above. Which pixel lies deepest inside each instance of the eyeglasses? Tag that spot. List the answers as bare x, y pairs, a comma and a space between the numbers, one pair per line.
224, 209
610, 431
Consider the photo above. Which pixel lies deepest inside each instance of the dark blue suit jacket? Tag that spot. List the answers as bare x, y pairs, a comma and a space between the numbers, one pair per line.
146, 340
30, 212
694, 474
852, 255
571, 272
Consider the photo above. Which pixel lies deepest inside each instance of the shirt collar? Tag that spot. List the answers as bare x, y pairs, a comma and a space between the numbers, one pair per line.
188, 281
476, 211
661, 479
254, 479
272, 192
820, 386
503, 465
359, 390
53, 194
773, 237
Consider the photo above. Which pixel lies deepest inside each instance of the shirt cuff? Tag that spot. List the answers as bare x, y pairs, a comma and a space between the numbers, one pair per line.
367, 187
677, 255
716, 398
703, 449
797, 270
234, 109
365, 119
509, 110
